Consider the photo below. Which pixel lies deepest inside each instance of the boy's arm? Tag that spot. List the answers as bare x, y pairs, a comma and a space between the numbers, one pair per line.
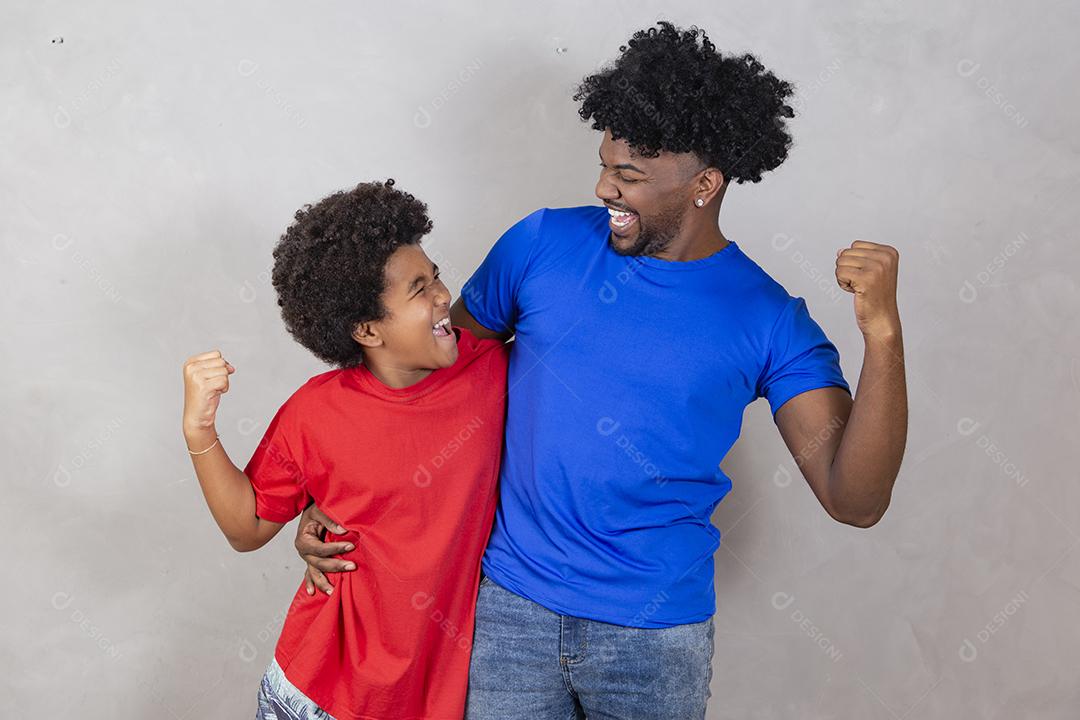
227, 490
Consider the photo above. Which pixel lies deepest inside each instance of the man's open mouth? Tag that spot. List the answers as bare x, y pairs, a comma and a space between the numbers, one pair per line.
621, 218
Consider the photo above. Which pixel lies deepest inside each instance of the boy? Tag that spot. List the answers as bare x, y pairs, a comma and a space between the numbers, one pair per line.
401, 443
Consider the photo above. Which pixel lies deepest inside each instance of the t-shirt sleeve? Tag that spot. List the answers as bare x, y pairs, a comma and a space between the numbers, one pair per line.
800, 358
276, 471
491, 294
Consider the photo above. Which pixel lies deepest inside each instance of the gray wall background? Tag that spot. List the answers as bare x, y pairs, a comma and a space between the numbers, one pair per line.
151, 159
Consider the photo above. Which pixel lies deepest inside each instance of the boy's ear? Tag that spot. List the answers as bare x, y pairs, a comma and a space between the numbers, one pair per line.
367, 334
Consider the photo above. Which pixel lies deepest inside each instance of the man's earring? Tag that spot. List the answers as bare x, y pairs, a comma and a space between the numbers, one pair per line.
699, 202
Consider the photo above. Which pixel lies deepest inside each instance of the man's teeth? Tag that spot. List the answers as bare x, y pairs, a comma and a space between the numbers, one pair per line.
621, 218
442, 327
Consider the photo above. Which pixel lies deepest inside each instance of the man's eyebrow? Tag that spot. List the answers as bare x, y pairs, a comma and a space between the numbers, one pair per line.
622, 166
420, 278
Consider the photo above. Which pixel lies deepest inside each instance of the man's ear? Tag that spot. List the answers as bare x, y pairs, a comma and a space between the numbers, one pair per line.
711, 182
367, 334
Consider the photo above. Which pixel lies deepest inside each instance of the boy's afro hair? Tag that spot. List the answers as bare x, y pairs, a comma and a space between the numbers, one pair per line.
329, 265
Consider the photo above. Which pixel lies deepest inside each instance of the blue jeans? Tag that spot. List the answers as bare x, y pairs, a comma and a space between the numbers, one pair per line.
530, 663
279, 699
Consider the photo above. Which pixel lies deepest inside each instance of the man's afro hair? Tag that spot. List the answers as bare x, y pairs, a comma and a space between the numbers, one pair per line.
668, 92
329, 265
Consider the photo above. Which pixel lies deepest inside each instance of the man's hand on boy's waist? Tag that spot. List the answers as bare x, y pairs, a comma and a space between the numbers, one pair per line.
319, 555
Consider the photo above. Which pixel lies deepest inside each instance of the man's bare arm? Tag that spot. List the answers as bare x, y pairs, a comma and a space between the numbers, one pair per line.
850, 450
460, 316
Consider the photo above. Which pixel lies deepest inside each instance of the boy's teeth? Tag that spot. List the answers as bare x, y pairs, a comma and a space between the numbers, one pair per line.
442, 327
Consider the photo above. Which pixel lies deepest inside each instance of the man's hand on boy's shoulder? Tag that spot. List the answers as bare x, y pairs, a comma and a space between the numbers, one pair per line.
319, 555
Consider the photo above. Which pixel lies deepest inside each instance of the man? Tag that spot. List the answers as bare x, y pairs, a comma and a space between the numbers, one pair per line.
641, 334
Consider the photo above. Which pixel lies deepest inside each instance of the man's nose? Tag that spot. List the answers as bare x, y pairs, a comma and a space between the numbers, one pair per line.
605, 189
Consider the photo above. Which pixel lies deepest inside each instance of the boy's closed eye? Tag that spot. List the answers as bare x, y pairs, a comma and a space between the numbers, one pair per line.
420, 283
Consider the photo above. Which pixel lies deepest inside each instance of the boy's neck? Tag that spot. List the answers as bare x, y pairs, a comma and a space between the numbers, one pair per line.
393, 375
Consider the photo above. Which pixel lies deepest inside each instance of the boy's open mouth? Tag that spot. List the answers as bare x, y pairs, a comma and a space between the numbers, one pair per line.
442, 328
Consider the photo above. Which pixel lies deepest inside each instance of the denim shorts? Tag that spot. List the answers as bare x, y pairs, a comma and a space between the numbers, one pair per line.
529, 663
279, 699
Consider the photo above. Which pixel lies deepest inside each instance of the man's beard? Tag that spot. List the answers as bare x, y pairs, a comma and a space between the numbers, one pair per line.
653, 239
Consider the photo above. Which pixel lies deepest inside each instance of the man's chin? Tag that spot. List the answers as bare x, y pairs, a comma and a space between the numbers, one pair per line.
632, 246
624, 245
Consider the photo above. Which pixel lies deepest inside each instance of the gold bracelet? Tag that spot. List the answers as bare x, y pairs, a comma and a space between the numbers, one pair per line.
203, 452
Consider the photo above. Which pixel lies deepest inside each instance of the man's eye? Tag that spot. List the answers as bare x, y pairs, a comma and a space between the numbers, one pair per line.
627, 180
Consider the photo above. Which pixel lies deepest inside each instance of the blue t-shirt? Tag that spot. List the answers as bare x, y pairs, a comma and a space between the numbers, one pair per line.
627, 384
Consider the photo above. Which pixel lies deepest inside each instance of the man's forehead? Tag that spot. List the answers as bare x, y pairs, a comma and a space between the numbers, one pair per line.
623, 150
618, 146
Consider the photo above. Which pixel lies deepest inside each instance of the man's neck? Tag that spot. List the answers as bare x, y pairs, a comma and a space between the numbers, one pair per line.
700, 244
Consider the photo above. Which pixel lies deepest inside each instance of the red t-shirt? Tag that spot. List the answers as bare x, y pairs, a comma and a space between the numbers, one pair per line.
411, 473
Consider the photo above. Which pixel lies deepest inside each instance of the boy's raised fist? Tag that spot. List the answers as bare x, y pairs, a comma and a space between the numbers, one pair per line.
206, 378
